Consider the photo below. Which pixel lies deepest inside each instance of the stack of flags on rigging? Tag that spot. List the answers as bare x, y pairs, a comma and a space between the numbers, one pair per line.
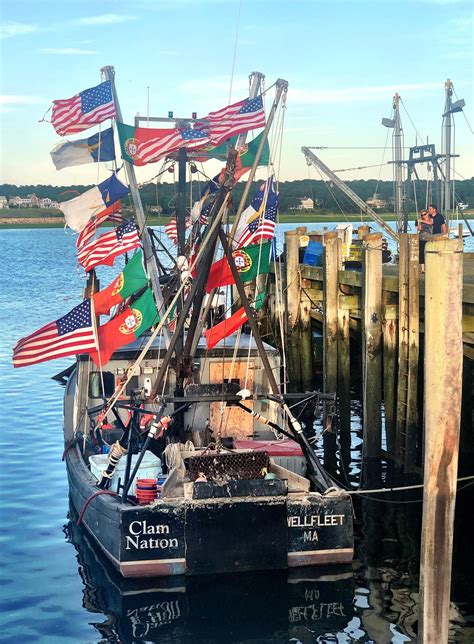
104, 249
78, 211
258, 220
113, 213
75, 333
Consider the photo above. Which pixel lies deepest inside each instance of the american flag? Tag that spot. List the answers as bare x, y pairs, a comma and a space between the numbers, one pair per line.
237, 118
83, 110
107, 247
160, 146
171, 228
112, 213
71, 334
258, 220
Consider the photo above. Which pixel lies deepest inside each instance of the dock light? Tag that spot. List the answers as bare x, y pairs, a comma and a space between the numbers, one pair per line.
456, 107
388, 122
170, 115
194, 115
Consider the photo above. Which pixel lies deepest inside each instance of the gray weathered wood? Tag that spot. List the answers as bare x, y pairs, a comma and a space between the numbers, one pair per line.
443, 385
372, 344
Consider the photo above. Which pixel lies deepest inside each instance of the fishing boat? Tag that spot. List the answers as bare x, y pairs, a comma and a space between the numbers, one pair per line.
184, 453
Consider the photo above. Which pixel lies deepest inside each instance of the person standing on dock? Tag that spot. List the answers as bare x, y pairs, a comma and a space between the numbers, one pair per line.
439, 222
425, 229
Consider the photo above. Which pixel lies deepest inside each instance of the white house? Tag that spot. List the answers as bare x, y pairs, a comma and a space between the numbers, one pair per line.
3, 202
305, 204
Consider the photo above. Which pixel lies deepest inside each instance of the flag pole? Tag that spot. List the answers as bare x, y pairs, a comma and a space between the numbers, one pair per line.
152, 269
282, 87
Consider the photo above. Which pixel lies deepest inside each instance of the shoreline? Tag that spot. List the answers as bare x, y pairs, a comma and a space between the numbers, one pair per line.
310, 218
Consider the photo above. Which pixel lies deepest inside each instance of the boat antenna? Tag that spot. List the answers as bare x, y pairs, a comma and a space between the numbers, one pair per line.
152, 269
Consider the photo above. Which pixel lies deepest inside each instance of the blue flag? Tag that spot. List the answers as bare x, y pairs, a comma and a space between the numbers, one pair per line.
79, 210
96, 148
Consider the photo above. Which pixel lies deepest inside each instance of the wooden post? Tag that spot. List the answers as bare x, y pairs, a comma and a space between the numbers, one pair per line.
344, 376
293, 308
390, 367
330, 294
443, 384
403, 326
306, 348
460, 230
371, 313
413, 351
362, 231
331, 261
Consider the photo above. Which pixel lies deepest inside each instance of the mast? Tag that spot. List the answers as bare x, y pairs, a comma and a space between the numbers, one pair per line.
312, 158
397, 147
450, 108
447, 125
109, 74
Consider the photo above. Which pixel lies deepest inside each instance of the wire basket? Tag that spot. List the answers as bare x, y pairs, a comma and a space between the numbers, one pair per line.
227, 466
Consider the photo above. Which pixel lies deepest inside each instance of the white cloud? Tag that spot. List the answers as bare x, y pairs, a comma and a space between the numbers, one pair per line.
10, 29
21, 99
105, 19
351, 94
14, 102
67, 51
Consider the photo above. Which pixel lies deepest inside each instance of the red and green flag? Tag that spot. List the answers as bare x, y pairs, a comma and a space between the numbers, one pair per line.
245, 157
126, 327
142, 145
249, 261
130, 280
230, 325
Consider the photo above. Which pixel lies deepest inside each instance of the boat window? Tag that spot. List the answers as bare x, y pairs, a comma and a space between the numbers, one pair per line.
131, 385
95, 384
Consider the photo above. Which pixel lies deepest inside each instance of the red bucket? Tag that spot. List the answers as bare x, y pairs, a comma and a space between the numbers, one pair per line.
146, 491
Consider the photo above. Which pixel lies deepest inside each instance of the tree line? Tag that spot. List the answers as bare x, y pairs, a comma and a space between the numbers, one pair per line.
325, 196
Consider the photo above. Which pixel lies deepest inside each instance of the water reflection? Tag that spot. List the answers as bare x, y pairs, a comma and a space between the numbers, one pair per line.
301, 605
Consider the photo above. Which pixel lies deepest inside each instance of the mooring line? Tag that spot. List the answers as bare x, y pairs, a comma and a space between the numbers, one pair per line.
403, 487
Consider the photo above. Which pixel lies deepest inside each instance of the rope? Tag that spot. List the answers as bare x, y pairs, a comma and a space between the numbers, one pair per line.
91, 498
410, 119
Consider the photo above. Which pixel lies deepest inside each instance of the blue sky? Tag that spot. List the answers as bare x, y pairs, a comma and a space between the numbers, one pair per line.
343, 61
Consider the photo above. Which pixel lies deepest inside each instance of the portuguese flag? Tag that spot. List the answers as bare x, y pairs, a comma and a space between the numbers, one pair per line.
228, 326
130, 280
246, 155
123, 329
250, 261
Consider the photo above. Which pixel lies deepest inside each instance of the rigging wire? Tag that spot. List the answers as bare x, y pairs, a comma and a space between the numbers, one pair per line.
463, 112
410, 119
235, 51
383, 160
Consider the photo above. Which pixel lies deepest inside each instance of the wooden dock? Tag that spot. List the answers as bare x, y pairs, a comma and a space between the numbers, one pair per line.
377, 310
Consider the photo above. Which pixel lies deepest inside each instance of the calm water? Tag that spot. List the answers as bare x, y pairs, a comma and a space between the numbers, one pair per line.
54, 588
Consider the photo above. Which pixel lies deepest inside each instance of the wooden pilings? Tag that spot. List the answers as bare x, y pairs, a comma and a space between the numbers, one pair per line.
331, 263
371, 318
443, 386
408, 351
299, 361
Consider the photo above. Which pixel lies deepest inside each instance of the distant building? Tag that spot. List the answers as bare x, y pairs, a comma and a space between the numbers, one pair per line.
3, 202
376, 201
31, 201
305, 204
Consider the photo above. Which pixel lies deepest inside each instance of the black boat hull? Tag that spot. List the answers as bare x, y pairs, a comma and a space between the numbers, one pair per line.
213, 535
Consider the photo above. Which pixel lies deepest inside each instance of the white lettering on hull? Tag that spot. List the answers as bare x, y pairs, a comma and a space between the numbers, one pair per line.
316, 521
149, 544
139, 539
